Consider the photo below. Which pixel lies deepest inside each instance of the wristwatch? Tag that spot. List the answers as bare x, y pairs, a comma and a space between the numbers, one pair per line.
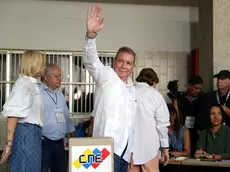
91, 35
165, 148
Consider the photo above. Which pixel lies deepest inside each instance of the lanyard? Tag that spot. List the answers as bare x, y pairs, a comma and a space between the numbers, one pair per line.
55, 102
218, 98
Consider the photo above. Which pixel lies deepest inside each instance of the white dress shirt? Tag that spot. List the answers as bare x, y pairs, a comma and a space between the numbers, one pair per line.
24, 102
151, 122
114, 105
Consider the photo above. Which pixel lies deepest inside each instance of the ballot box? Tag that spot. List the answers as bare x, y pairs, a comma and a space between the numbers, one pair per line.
91, 155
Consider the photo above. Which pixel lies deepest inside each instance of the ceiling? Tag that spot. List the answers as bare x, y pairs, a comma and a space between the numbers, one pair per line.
192, 3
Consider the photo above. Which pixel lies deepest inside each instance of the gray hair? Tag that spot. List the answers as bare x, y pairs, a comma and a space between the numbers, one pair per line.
48, 69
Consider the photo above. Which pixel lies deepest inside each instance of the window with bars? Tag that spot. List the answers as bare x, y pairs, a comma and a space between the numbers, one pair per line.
2, 78
77, 85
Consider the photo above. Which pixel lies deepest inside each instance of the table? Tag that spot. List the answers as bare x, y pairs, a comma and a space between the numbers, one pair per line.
193, 165
193, 162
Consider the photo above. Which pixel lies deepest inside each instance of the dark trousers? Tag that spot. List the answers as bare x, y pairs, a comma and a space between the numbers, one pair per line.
53, 156
120, 165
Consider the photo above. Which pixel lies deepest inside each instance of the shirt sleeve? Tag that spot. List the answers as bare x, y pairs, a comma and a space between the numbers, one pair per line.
226, 154
226, 149
162, 121
92, 63
19, 102
202, 140
69, 122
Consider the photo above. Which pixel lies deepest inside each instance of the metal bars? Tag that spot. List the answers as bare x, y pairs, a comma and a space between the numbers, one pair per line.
77, 85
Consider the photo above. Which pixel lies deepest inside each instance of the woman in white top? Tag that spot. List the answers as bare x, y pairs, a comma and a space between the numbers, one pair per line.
24, 112
152, 120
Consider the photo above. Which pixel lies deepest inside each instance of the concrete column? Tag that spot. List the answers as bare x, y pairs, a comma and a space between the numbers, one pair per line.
205, 43
214, 39
221, 35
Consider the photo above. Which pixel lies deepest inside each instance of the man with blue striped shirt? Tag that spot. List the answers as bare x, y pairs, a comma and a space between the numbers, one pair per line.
57, 122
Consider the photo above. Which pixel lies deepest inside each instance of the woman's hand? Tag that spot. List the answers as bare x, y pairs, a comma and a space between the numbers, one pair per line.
201, 154
130, 166
165, 156
6, 153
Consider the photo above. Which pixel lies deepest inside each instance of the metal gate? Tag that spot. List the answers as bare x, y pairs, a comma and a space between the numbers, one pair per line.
77, 85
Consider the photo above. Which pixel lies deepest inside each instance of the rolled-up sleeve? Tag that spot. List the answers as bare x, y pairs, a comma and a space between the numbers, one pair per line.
162, 121
19, 102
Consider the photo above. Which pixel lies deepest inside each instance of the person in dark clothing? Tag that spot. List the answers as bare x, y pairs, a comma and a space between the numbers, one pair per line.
219, 96
214, 142
189, 103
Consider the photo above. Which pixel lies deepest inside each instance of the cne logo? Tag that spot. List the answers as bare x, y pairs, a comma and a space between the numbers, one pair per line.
91, 158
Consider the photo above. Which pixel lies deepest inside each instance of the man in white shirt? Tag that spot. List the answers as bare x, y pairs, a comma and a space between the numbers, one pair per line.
114, 105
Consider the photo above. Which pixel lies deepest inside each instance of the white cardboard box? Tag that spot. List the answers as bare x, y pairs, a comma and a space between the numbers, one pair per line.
91, 155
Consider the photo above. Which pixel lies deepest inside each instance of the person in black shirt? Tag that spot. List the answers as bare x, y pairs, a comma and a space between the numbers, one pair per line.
220, 96
189, 103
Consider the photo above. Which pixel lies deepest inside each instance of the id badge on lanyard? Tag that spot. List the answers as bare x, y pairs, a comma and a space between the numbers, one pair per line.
59, 115
218, 98
189, 122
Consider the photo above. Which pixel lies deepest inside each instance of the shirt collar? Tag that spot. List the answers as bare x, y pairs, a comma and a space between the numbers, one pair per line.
219, 131
45, 87
142, 83
129, 82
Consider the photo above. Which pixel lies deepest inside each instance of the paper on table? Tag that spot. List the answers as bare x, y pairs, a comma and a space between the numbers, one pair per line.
180, 158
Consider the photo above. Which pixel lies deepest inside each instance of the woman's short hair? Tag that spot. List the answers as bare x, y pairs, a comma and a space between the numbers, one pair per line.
32, 63
149, 76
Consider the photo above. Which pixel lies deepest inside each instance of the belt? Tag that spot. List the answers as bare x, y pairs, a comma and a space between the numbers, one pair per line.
123, 153
55, 141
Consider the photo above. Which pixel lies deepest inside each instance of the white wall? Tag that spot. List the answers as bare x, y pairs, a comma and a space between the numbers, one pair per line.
169, 66
162, 36
61, 25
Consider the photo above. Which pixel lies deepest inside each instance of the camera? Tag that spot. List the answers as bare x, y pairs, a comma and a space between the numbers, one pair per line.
173, 89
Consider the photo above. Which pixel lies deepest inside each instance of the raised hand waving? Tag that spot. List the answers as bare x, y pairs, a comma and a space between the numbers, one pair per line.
94, 22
